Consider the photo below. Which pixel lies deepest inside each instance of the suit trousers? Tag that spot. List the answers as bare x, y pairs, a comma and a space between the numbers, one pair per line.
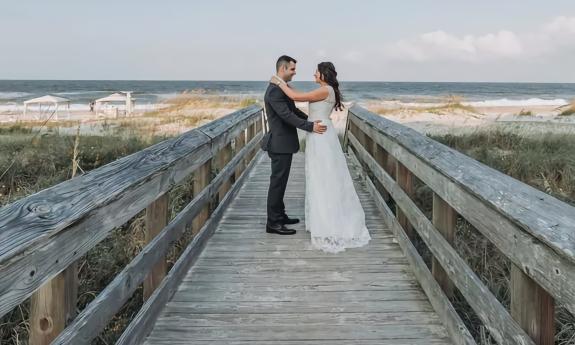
281, 165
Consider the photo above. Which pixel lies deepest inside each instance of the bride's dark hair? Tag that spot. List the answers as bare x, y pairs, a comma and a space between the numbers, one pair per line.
329, 75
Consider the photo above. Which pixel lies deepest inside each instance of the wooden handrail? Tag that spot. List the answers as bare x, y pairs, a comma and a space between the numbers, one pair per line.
42, 234
534, 230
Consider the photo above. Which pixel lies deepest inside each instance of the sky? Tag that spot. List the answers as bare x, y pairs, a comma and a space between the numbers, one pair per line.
367, 40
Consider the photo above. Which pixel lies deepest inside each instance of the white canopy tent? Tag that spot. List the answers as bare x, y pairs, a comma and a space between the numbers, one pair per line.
115, 98
49, 101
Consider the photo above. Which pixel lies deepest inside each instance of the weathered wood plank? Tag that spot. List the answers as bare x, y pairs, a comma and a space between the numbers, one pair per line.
47, 313
157, 216
97, 314
444, 219
228, 127
543, 216
317, 319
411, 341
300, 332
532, 236
532, 307
247, 277
501, 325
88, 207
33, 247
455, 326
140, 326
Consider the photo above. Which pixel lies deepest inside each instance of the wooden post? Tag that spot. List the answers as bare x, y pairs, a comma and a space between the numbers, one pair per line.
250, 135
157, 216
240, 143
53, 305
48, 311
405, 181
532, 307
225, 155
381, 156
259, 126
444, 219
202, 177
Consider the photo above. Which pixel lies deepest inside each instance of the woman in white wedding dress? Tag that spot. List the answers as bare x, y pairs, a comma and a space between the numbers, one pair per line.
333, 212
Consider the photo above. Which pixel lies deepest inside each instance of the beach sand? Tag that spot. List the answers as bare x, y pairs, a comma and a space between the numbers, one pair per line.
186, 112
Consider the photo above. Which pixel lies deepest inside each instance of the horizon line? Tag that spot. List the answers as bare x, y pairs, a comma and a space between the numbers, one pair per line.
341, 81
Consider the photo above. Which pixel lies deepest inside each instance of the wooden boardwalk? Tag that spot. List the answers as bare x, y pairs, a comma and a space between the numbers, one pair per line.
249, 287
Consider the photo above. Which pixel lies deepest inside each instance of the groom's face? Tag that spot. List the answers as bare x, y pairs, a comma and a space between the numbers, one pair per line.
288, 71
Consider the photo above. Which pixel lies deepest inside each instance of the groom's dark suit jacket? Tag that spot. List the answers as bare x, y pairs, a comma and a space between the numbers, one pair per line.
283, 119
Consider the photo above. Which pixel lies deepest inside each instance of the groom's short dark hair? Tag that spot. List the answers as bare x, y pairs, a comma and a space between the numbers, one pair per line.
284, 60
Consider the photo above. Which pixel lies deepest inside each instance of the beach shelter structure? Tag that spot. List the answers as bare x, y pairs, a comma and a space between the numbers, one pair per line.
118, 99
48, 101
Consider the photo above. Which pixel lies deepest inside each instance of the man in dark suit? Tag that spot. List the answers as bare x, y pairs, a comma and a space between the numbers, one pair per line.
283, 119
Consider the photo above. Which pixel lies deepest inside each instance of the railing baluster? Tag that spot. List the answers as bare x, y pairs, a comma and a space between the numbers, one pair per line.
404, 178
224, 156
381, 157
47, 311
444, 219
532, 307
240, 143
157, 216
202, 177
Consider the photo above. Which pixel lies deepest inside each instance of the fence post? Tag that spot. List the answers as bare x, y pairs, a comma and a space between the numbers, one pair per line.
240, 143
202, 177
224, 156
405, 180
532, 307
444, 219
157, 217
381, 157
48, 311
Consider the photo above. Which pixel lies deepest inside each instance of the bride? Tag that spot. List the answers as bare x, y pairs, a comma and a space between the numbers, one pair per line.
333, 212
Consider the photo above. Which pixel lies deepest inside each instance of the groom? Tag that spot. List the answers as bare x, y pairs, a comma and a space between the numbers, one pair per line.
282, 142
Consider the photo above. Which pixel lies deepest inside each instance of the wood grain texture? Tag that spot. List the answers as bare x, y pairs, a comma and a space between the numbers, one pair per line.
500, 323
455, 327
33, 245
532, 307
95, 317
249, 286
157, 216
444, 219
142, 323
528, 226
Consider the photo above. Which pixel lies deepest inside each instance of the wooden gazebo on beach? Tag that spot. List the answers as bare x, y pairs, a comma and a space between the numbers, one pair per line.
48, 101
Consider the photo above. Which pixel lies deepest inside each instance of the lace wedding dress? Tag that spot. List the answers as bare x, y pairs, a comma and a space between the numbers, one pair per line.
333, 212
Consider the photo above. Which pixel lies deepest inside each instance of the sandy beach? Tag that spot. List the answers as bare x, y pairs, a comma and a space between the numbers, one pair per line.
182, 113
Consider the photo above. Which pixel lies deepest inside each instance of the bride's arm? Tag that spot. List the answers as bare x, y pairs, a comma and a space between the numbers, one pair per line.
318, 94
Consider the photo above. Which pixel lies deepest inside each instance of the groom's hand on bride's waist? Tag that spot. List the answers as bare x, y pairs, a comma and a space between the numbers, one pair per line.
318, 127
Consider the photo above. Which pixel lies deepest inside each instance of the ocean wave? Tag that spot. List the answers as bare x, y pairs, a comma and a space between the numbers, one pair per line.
13, 95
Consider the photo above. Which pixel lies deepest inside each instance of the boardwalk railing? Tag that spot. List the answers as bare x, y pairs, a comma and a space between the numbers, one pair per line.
534, 230
42, 235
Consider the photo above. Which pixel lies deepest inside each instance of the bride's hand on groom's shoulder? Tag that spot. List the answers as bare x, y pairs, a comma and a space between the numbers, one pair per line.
276, 80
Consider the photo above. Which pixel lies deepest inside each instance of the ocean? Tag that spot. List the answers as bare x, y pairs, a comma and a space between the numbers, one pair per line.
149, 93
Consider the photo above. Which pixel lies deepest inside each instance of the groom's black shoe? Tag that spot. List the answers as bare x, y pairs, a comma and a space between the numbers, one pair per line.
289, 221
279, 229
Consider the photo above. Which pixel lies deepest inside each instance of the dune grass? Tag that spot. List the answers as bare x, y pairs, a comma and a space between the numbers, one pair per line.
448, 105
524, 112
545, 162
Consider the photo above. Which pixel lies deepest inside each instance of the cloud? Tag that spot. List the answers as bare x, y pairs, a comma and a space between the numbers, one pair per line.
502, 45
561, 25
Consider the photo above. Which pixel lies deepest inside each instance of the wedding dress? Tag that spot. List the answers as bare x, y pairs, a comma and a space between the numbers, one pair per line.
333, 213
